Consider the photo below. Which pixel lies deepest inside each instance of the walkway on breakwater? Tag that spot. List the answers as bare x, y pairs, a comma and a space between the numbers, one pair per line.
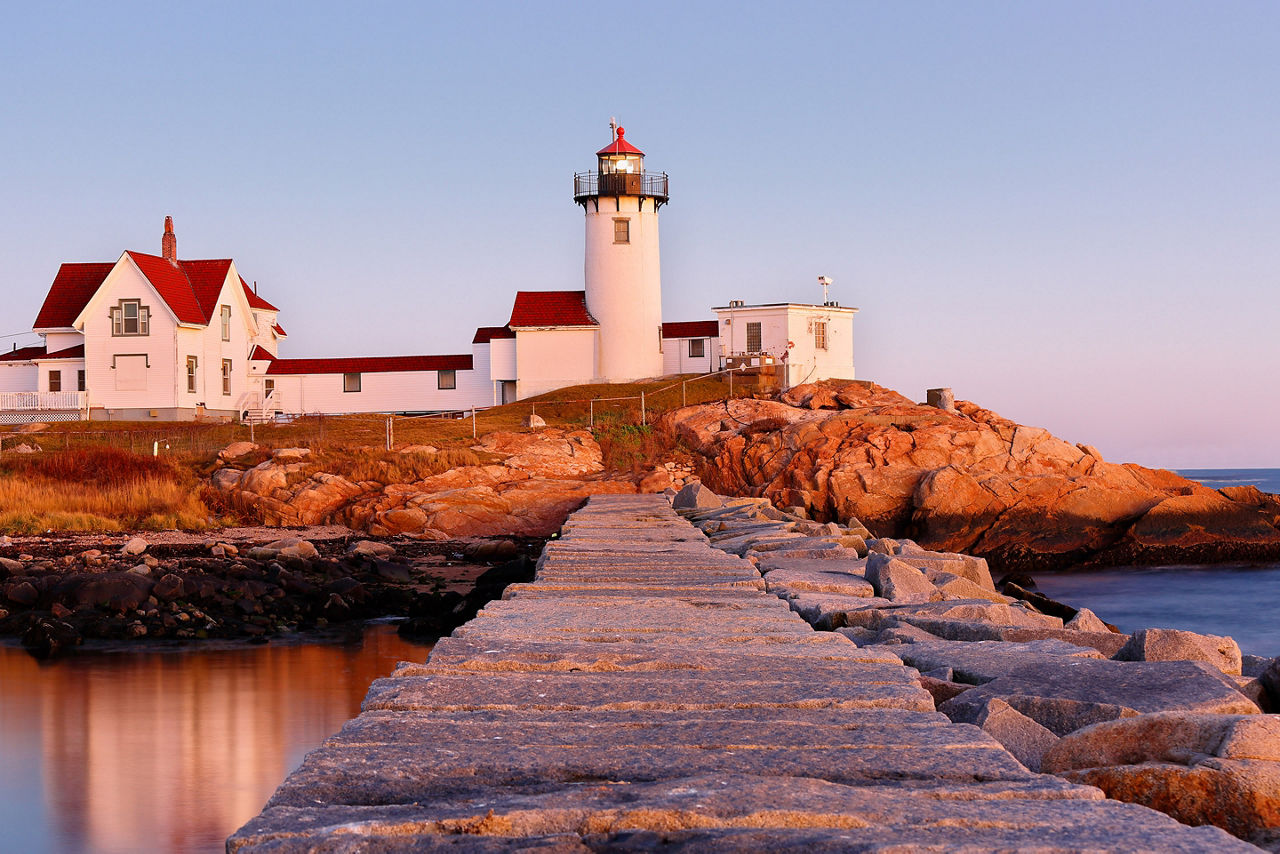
645, 692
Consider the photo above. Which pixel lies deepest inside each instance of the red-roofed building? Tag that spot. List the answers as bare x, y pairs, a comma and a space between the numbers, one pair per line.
159, 337
691, 347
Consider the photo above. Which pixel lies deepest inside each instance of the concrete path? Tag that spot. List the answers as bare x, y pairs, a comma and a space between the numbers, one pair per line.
645, 693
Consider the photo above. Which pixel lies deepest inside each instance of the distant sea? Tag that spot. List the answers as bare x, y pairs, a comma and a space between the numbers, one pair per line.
1239, 600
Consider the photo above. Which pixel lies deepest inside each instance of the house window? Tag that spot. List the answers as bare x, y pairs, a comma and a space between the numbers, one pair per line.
226, 376
820, 334
226, 323
191, 374
55, 381
753, 338
130, 317
621, 230
350, 382
79, 380
446, 379
697, 348
268, 388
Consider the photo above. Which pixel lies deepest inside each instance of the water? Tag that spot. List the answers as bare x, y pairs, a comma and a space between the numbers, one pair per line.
1268, 480
168, 751
1238, 600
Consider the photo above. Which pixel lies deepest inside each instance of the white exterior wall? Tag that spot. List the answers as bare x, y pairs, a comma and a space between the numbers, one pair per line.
55, 341
676, 358
624, 288
809, 364
502, 359
389, 391
18, 376
102, 350
548, 359
793, 323
69, 369
480, 362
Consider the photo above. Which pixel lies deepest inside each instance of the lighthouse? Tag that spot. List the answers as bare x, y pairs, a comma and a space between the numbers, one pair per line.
623, 280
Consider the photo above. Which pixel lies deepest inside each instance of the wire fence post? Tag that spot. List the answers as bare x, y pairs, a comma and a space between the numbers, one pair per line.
684, 398
389, 441
251, 439
642, 416
731, 382
473, 422
591, 413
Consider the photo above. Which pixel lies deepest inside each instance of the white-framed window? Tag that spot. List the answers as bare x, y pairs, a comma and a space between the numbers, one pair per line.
226, 323
621, 230
55, 381
351, 382
446, 379
192, 364
130, 317
226, 376
753, 337
268, 387
80, 380
697, 348
820, 334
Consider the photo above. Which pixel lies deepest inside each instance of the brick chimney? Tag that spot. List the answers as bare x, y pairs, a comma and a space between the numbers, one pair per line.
169, 243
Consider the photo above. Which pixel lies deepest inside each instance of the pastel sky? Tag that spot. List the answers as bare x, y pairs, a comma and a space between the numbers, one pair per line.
1066, 211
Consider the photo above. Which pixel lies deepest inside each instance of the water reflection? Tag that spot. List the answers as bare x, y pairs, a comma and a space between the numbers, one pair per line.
168, 751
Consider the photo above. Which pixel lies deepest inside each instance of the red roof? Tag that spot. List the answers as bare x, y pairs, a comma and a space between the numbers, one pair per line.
76, 352
23, 354
550, 308
369, 364
485, 334
619, 146
261, 354
255, 301
70, 291
189, 288
691, 329
280, 330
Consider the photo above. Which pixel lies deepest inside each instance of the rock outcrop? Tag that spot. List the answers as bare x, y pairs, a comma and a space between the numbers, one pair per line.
965, 480
540, 478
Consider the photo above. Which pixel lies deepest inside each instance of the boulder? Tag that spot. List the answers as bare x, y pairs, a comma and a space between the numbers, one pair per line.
533, 421
134, 547
12, 566
285, 456
291, 547
1067, 694
1222, 770
1020, 735
369, 548
237, 451
695, 496
982, 661
1270, 679
1175, 645
898, 581
1086, 621
22, 593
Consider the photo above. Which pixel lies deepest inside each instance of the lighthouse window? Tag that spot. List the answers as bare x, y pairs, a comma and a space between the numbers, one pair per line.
622, 230
697, 348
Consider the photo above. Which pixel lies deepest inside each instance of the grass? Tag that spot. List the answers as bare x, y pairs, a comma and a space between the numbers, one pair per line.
97, 489
99, 475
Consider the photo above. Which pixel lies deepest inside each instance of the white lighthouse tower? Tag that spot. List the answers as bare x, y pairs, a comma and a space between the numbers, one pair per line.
623, 280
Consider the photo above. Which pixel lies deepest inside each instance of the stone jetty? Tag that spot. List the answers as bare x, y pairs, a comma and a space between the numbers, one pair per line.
647, 692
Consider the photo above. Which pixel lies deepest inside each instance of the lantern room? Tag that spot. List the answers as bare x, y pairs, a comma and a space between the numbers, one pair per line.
619, 172
620, 156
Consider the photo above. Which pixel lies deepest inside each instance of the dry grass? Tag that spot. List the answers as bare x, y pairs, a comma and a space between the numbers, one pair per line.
376, 464
99, 489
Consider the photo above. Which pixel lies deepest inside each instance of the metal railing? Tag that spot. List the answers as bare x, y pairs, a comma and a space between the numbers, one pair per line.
26, 401
595, 183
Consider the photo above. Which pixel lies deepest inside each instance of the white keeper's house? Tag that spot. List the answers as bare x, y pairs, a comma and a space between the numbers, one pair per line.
156, 337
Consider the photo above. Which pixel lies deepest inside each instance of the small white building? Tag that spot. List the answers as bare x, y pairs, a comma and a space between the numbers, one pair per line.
691, 347
814, 342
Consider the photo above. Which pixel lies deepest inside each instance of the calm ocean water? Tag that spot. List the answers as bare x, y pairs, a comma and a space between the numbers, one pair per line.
1239, 600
